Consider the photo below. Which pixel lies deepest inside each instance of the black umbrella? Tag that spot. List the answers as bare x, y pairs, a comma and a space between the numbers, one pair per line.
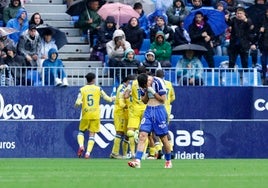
77, 8
58, 35
194, 47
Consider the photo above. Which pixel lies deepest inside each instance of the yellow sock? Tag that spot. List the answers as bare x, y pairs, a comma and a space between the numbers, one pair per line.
146, 145
90, 144
158, 147
152, 151
80, 139
125, 145
116, 145
132, 145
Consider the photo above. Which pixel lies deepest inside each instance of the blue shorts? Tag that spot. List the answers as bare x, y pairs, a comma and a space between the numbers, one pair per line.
155, 120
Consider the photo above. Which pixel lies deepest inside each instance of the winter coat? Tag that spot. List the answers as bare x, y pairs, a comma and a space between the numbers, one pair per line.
14, 23
195, 72
10, 11
171, 11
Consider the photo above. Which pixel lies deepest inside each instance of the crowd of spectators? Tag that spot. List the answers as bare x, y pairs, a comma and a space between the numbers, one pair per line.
164, 27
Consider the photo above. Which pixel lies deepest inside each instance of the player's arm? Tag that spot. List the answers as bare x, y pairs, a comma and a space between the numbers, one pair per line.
172, 95
144, 95
160, 98
122, 102
106, 97
127, 91
78, 101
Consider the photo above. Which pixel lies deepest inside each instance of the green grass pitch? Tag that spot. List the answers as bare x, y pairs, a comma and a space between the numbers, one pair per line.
109, 173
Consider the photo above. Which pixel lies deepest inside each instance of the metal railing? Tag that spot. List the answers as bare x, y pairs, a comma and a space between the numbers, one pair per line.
106, 76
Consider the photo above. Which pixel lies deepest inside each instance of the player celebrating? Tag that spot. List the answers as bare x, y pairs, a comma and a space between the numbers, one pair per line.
89, 97
121, 119
153, 92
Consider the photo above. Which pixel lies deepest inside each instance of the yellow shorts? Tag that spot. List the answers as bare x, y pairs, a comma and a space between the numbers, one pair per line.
92, 125
134, 118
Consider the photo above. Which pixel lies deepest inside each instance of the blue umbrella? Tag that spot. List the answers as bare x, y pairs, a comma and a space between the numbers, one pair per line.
215, 19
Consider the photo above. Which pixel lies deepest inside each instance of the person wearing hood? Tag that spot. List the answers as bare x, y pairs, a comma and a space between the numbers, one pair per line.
11, 10
130, 62
150, 62
134, 34
54, 72
162, 49
16, 61
20, 23
177, 12
116, 49
105, 34
29, 46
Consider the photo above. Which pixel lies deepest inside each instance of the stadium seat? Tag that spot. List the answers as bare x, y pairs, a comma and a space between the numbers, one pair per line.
218, 59
231, 78
211, 79
171, 76
175, 59
252, 78
141, 58
145, 46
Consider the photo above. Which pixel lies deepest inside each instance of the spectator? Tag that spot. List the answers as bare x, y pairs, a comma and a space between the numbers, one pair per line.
130, 62
11, 10
3, 4
116, 48
54, 72
176, 12
197, 4
89, 20
20, 23
255, 13
134, 34
240, 41
29, 46
47, 42
181, 35
152, 17
162, 49
161, 25
4, 41
105, 34
36, 19
263, 46
150, 62
15, 63
143, 21
201, 33
190, 69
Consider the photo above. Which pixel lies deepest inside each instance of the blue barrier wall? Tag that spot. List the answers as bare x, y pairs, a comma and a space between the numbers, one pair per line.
208, 122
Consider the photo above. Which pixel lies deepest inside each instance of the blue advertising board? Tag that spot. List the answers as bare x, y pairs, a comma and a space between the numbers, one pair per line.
208, 122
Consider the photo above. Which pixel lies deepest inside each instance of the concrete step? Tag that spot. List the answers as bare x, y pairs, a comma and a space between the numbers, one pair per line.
81, 48
46, 2
60, 24
71, 32
77, 40
74, 56
52, 16
42, 8
82, 64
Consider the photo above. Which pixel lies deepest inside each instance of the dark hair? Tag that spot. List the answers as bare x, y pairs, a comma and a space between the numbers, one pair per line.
160, 73
32, 19
90, 76
142, 80
141, 69
137, 5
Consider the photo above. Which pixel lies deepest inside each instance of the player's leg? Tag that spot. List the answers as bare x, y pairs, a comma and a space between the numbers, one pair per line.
83, 126
93, 128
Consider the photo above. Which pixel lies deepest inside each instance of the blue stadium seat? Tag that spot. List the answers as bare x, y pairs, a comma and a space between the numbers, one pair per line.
211, 79
230, 78
141, 58
145, 46
175, 59
249, 79
218, 59
171, 76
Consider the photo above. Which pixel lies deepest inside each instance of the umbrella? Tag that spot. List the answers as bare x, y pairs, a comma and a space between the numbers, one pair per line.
121, 12
77, 7
194, 47
215, 19
4, 31
58, 35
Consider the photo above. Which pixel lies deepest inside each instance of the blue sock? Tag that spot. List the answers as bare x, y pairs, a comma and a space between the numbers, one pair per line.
139, 155
168, 156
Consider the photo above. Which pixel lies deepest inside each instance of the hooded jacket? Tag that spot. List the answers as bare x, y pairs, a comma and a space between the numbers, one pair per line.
10, 11
14, 23
110, 46
162, 50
